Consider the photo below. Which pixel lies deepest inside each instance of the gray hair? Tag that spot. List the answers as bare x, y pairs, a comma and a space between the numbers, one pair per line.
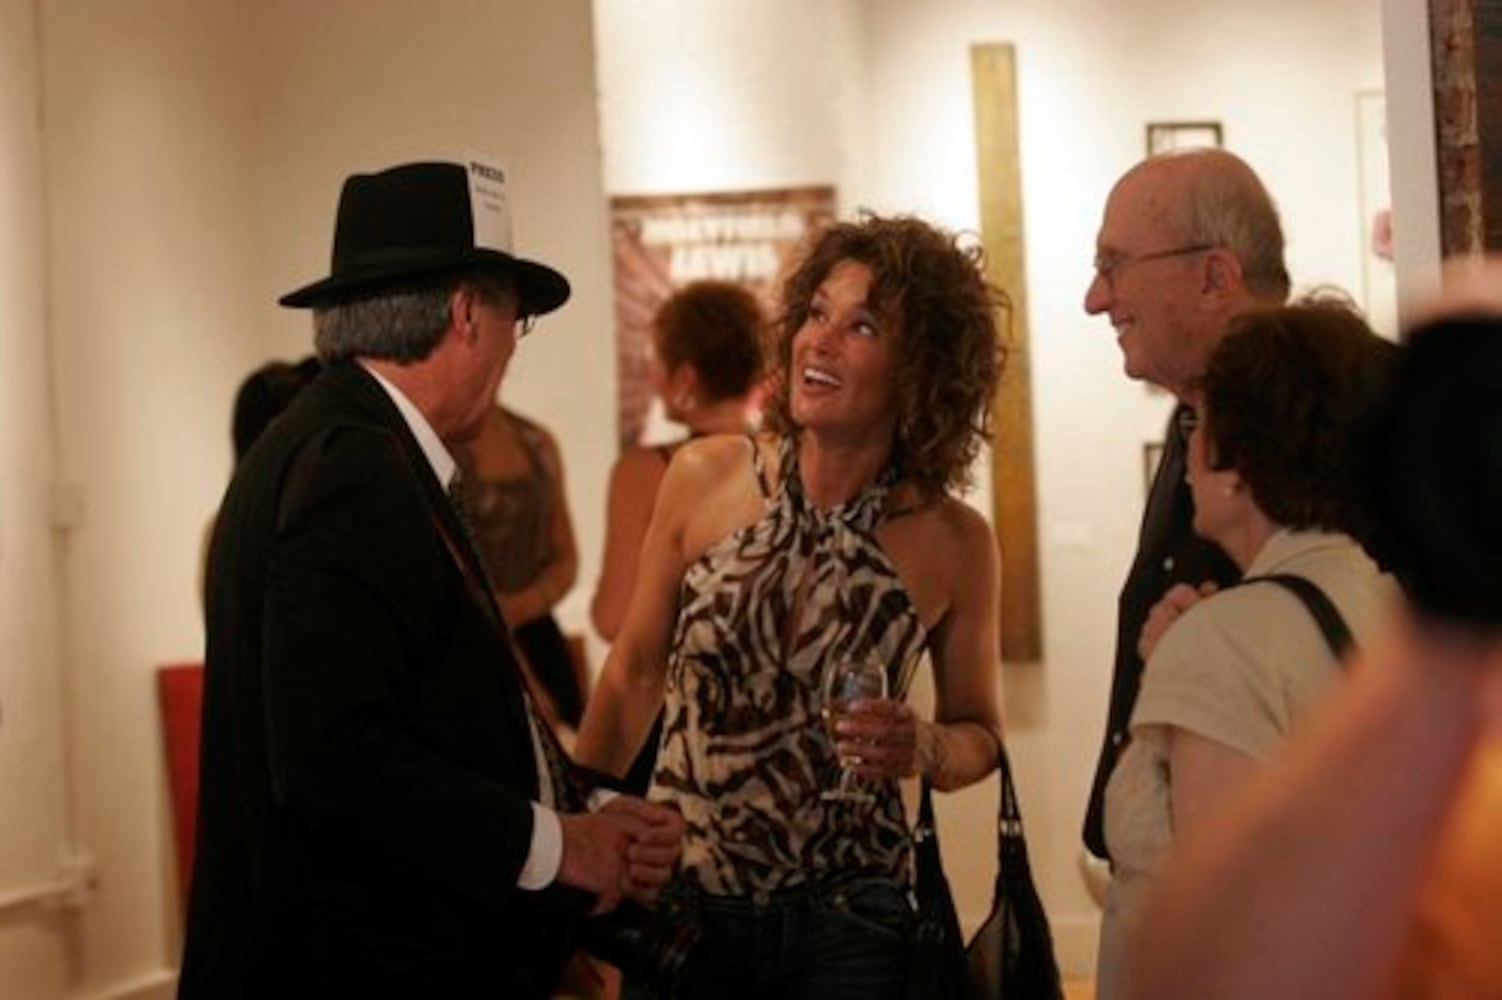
1226, 205
402, 324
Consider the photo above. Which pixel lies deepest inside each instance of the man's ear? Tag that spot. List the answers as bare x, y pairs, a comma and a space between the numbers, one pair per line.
1223, 273
464, 313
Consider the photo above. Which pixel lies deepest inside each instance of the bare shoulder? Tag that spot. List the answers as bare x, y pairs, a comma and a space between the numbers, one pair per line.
962, 522
711, 485
714, 458
941, 547
944, 519
955, 533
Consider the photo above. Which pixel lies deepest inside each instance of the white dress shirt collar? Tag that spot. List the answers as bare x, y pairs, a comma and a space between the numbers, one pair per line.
432, 447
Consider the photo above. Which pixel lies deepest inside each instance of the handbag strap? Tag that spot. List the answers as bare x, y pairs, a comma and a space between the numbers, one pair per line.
1010, 838
1009, 812
1326, 615
926, 834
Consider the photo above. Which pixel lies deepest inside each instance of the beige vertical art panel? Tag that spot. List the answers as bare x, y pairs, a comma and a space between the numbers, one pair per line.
993, 70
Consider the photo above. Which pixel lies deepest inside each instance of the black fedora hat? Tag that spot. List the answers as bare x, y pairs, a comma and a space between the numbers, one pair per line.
426, 219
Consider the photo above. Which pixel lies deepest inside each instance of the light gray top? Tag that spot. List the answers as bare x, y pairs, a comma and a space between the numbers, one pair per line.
1239, 668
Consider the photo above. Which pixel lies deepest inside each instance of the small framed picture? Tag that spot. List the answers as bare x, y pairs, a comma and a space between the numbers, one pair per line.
1164, 136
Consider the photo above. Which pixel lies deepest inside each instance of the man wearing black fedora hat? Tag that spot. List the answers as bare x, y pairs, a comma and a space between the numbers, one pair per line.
380, 812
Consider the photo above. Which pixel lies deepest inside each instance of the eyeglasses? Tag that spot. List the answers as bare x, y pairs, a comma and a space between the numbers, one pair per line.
524, 324
1107, 267
1187, 419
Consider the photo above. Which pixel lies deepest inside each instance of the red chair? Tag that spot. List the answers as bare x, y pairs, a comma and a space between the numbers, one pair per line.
179, 690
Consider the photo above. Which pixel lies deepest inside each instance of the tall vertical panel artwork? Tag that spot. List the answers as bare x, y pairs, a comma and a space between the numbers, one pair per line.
993, 72
661, 242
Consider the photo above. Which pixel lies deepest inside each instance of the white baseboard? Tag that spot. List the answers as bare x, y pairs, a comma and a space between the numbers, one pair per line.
158, 985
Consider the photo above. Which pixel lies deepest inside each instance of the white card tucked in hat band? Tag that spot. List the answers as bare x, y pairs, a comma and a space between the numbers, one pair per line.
489, 205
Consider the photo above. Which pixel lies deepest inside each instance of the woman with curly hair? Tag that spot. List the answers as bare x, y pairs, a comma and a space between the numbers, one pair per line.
830, 538
1275, 421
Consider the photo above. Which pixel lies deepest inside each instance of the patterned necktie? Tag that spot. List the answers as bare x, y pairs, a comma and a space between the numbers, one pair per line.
555, 789
462, 513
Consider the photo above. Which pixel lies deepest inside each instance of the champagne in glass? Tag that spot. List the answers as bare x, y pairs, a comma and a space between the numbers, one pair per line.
844, 682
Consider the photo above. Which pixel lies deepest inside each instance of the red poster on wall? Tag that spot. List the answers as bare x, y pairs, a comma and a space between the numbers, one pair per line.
662, 242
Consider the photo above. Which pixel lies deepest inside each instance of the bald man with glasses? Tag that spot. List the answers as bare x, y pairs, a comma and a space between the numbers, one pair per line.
1189, 240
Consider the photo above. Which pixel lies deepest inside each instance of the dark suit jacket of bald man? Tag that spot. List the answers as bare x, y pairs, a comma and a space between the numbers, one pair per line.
367, 766
1168, 552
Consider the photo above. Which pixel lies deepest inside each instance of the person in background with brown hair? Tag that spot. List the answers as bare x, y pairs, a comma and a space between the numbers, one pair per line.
261, 398
264, 394
773, 561
706, 362
1363, 864
511, 476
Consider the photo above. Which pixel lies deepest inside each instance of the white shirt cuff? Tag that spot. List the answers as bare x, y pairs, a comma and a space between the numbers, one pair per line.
545, 856
600, 798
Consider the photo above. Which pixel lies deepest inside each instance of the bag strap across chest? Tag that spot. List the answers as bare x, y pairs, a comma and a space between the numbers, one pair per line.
1326, 615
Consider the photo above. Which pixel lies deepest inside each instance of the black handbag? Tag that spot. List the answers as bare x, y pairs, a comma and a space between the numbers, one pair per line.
938, 969
1011, 955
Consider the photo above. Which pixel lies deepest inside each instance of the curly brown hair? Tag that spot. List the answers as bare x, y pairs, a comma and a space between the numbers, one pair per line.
1287, 394
717, 327
949, 350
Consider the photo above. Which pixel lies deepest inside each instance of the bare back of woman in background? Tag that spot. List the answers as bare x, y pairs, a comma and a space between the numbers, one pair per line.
706, 362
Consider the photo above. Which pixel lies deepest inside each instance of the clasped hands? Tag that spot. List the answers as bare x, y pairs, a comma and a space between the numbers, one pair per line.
626, 850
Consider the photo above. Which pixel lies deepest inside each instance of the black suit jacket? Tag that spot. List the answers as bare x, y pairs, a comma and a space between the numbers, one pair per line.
367, 766
1168, 552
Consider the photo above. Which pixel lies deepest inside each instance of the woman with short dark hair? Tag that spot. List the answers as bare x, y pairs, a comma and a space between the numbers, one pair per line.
1364, 863
706, 360
1274, 424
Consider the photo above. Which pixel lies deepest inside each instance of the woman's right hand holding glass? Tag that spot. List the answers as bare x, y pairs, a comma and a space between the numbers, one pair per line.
883, 736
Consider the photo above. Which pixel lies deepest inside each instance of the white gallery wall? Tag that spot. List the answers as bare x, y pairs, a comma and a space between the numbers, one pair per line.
875, 97
168, 167
33, 799
149, 169
187, 158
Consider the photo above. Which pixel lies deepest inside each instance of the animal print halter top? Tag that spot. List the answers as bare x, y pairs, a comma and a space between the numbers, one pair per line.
743, 755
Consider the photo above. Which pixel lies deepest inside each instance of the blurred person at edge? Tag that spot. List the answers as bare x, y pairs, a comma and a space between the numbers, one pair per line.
380, 811
1271, 428
262, 396
1364, 862
831, 538
1188, 241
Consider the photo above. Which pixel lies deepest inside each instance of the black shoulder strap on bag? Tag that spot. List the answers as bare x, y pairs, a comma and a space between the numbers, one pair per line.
1337, 634
938, 970
1011, 955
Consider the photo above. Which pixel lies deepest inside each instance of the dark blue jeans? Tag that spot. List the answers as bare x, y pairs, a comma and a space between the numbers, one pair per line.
835, 940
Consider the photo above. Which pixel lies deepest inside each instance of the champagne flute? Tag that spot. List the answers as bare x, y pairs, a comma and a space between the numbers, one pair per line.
847, 681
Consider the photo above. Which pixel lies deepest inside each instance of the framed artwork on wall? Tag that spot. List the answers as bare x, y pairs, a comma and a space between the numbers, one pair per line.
661, 242
1164, 136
